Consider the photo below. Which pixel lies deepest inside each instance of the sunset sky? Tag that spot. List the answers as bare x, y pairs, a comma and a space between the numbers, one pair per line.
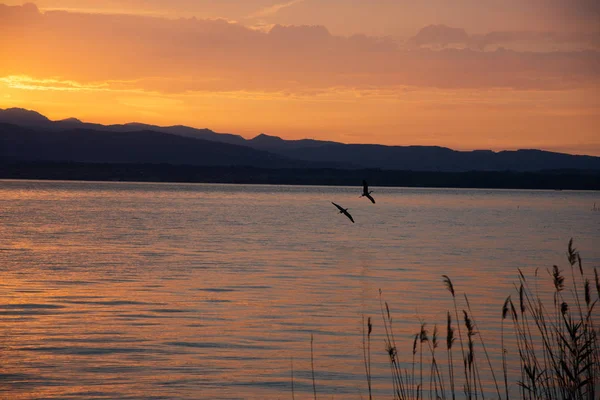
466, 74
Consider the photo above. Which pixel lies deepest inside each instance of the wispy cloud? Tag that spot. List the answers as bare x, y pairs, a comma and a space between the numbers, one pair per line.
28, 83
272, 10
104, 10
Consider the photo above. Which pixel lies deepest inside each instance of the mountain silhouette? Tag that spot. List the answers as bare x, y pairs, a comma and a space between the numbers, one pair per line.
20, 116
433, 158
33, 119
28, 135
18, 144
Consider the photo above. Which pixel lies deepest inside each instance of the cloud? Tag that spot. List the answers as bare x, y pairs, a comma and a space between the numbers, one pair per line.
30, 83
274, 9
442, 36
439, 35
189, 54
574, 7
537, 40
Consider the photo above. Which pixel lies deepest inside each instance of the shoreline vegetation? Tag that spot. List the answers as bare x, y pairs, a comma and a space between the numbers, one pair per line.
557, 345
549, 180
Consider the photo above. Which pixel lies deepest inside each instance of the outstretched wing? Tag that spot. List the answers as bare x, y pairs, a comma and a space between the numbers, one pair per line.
365, 187
343, 210
349, 216
338, 206
370, 198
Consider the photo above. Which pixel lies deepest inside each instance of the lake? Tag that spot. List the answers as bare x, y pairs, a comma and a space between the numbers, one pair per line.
140, 290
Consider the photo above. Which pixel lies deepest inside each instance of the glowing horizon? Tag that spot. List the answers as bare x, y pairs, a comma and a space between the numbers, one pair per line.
255, 67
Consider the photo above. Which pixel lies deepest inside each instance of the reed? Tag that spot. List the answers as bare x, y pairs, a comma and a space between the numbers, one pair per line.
556, 341
367, 352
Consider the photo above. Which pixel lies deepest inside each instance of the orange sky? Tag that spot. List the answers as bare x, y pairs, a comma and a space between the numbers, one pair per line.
476, 74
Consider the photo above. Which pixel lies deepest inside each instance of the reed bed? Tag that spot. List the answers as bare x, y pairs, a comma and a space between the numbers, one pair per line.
557, 344
554, 336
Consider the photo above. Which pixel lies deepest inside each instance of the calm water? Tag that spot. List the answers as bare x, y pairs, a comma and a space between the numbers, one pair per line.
126, 290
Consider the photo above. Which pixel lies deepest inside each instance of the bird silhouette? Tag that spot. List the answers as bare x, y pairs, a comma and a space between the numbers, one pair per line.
344, 211
366, 192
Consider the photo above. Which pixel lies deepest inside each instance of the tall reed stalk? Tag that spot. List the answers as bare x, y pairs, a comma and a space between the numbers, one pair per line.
367, 352
557, 345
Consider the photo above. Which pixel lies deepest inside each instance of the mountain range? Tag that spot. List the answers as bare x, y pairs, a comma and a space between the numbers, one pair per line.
27, 135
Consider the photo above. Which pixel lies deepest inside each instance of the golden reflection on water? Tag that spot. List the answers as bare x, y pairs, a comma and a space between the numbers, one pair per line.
209, 291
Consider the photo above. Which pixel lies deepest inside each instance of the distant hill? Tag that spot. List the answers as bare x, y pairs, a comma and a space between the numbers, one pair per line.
20, 116
277, 144
33, 119
18, 144
430, 158
42, 135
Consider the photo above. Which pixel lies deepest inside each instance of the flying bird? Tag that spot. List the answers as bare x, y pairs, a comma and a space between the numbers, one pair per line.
366, 192
344, 211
